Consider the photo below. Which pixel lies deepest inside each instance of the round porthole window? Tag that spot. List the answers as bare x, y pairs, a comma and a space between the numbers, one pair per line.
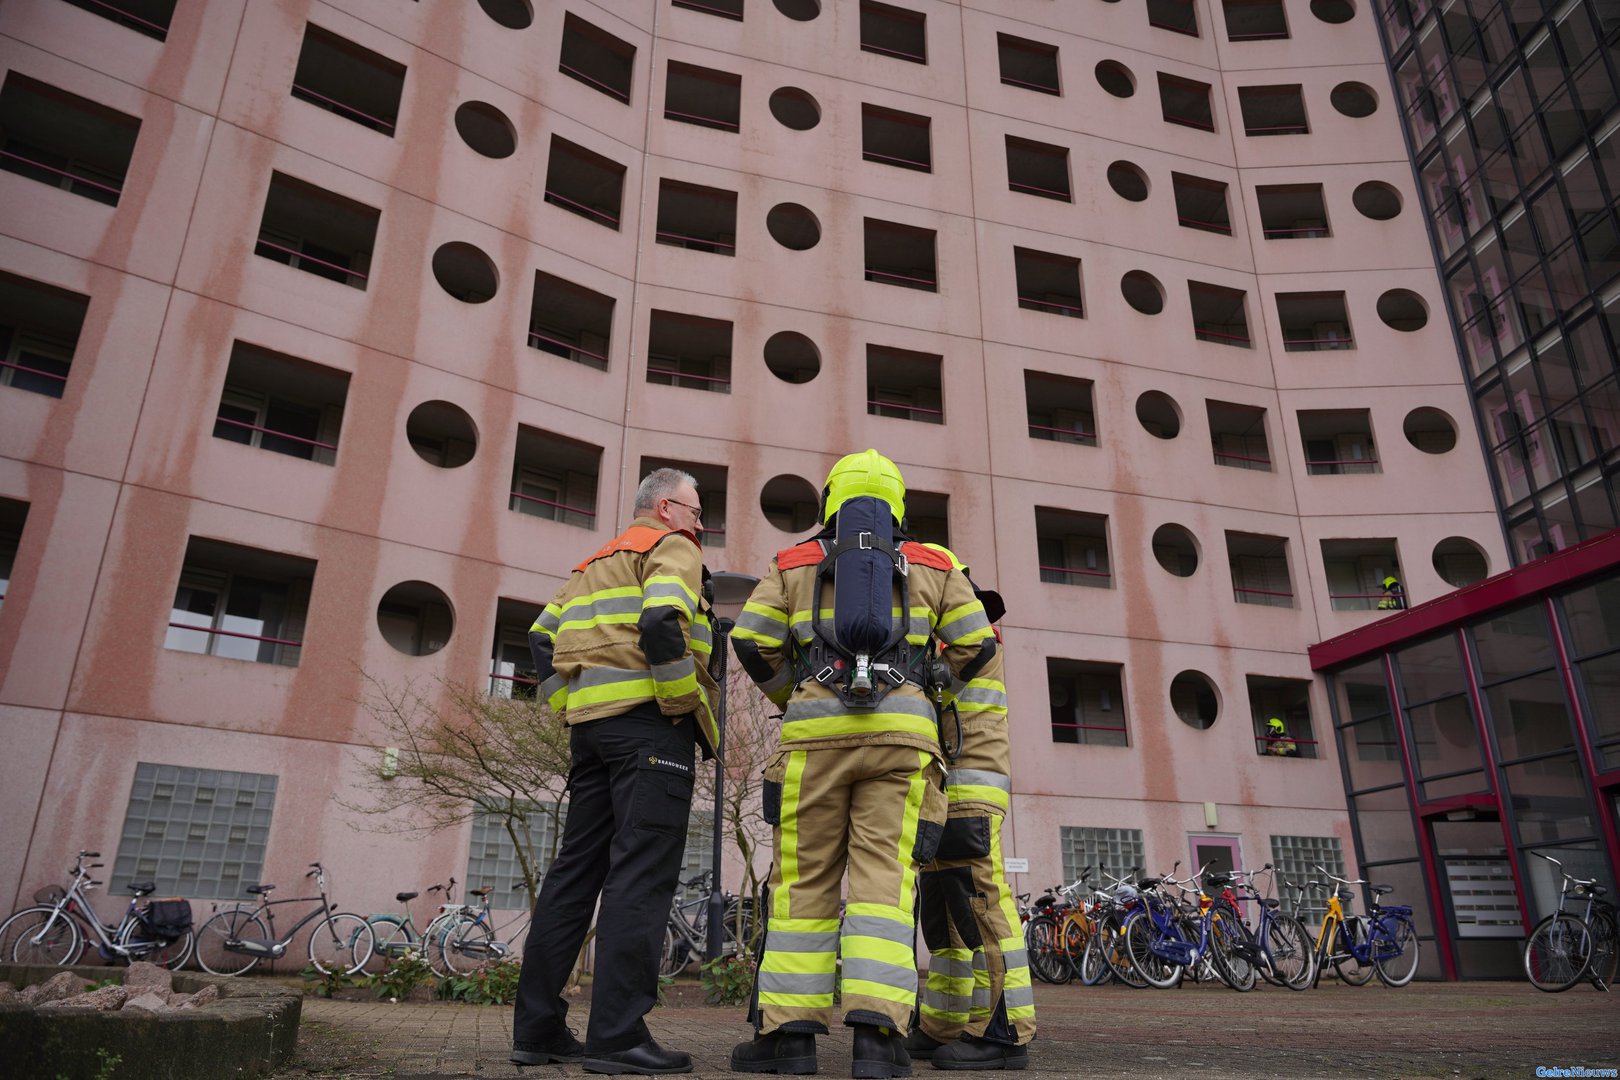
486, 129
416, 618
1193, 698
793, 108
792, 357
1143, 292
465, 272
442, 434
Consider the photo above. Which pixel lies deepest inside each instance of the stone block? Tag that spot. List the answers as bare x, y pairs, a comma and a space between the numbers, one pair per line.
107, 999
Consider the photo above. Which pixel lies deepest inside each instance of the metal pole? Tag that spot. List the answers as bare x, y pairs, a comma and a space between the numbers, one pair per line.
717, 901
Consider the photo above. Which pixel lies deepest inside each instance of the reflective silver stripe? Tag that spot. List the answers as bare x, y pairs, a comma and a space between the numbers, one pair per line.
907, 704
918, 626
780, 681
674, 671
874, 926
961, 627
983, 695
978, 778
802, 941
672, 590
950, 967
981, 998
606, 605
1014, 996
701, 633
775, 629
605, 676
1015, 958
780, 982
547, 622
901, 978
551, 686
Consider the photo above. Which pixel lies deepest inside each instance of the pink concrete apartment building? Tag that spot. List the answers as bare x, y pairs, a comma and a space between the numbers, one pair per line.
338, 332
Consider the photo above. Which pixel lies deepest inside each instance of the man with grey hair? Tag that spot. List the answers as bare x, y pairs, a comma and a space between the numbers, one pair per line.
622, 654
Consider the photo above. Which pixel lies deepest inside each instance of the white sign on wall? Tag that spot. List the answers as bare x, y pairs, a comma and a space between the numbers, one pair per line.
1015, 866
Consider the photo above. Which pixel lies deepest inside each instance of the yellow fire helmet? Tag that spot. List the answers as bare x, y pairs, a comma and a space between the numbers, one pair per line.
1275, 724
865, 473
1391, 580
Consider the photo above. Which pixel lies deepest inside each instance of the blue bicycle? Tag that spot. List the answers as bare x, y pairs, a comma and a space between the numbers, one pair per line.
1385, 940
1169, 937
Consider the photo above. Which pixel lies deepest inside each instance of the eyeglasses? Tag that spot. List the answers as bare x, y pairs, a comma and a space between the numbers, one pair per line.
697, 511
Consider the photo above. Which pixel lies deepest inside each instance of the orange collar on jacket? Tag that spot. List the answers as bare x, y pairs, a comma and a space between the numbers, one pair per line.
643, 535
810, 553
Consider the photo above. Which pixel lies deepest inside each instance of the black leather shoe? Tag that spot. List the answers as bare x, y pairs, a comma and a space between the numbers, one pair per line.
971, 1052
779, 1052
921, 1045
648, 1059
879, 1053
564, 1048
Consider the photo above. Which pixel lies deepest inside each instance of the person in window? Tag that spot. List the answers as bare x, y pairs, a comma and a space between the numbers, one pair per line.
1394, 598
621, 655
1278, 744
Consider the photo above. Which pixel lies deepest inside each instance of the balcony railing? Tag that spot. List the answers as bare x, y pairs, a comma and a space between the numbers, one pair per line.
1044, 88
544, 339
903, 280
904, 163
717, 381
1076, 571
365, 118
1278, 129
927, 413
1221, 338
603, 216
1222, 457
272, 431
236, 634
1035, 189
160, 31
303, 258
883, 50
73, 176
611, 91
1313, 464
1224, 228
702, 121
696, 243
1312, 344
1033, 303
1065, 433
1241, 591
1201, 125
560, 506
1300, 232
33, 371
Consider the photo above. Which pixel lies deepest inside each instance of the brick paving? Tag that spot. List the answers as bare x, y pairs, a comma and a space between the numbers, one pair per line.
1444, 1030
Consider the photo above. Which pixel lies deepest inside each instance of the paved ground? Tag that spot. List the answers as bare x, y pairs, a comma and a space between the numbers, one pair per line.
1444, 1030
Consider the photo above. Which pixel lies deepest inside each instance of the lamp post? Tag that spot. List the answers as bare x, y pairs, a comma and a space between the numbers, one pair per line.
731, 591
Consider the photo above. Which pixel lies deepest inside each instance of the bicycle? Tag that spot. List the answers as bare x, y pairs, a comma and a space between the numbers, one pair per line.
1383, 942
471, 941
1563, 947
686, 934
1106, 955
1170, 937
1278, 946
235, 939
53, 930
395, 936
1041, 936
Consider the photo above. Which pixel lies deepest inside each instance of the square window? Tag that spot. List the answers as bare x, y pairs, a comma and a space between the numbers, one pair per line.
893, 31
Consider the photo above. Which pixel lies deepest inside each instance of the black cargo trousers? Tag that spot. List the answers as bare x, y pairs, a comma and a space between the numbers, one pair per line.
629, 794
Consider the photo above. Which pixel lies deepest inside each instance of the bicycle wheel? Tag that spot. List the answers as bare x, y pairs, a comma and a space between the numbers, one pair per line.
1605, 950
741, 926
1557, 952
1289, 944
1094, 969
1395, 951
1231, 945
343, 941
1045, 958
390, 939
1118, 953
1140, 934
674, 957
40, 935
232, 924
170, 953
1345, 964
469, 947
1076, 935
434, 936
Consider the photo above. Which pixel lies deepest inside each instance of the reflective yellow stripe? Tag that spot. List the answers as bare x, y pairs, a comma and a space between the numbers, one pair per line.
857, 724
947, 984
598, 620
800, 963
790, 833
877, 911
857, 947
908, 833
1021, 1012
797, 1001
595, 695
676, 687
941, 1014
978, 793
558, 700
863, 988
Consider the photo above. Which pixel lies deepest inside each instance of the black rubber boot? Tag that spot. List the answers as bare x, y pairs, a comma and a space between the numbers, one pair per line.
921, 1045
879, 1053
971, 1052
783, 1052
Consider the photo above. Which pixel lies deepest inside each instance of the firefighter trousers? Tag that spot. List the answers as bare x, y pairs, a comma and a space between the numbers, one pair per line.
978, 971
876, 810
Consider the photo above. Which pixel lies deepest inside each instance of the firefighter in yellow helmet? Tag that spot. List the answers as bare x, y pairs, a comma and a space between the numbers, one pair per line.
1394, 597
1278, 743
978, 1005
857, 782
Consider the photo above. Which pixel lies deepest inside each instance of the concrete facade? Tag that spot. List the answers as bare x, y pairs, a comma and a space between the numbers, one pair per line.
124, 469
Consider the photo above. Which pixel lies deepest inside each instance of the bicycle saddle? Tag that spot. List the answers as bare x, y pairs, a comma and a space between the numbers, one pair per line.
258, 888
485, 891
141, 888
404, 896
1380, 890
1272, 902
1218, 880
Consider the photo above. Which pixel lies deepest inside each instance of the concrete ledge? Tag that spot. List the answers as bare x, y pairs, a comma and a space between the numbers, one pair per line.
249, 1032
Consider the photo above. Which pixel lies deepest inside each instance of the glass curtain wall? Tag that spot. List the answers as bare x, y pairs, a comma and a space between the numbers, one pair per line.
1468, 752
1512, 113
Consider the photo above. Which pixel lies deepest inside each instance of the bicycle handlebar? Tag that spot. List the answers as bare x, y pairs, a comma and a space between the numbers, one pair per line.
1343, 881
1566, 873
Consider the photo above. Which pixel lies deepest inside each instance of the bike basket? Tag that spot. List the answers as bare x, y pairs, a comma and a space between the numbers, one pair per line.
168, 918
50, 894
